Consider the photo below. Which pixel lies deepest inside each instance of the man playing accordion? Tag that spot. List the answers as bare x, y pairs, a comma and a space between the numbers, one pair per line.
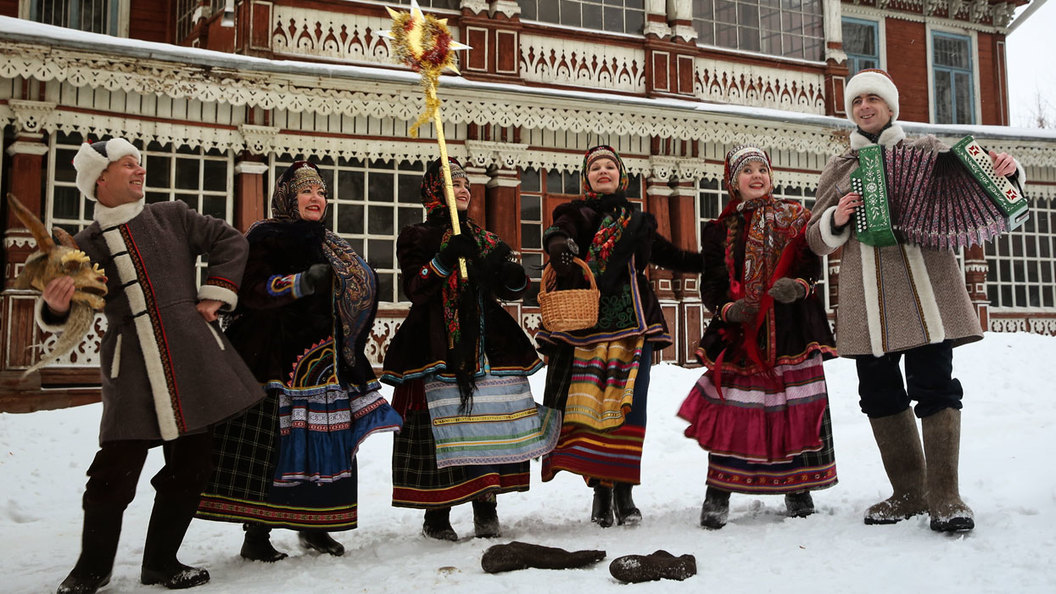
900, 300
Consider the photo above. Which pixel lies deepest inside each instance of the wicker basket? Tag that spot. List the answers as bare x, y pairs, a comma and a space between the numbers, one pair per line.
569, 309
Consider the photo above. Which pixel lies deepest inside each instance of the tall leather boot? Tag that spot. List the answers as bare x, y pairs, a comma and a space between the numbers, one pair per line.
716, 508
99, 536
626, 511
601, 510
942, 443
899, 442
168, 524
486, 518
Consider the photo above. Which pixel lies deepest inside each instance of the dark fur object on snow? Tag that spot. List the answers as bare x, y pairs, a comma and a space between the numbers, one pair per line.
648, 568
522, 555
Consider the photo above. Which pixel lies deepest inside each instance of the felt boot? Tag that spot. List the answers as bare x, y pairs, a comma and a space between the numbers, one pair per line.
99, 536
601, 511
716, 508
942, 442
799, 505
648, 568
486, 518
522, 555
168, 524
438, 524
320, 541
626, 511
899, 443
256, 546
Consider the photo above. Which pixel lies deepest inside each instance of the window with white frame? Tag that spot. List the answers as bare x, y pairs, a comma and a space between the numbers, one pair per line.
186, 11
1022, 264
954, 92
369, 202
788, 28
201, 178
613, 16
861, 42
712, 198
541, 191
95, 16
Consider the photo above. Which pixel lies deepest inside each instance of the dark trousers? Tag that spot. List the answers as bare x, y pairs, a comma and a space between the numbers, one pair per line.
113, 475
929, 381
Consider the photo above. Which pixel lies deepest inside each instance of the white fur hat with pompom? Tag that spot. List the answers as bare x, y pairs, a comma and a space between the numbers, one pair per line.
871, 81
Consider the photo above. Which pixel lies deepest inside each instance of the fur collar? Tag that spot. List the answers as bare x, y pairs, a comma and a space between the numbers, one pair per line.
119, 215
888, 138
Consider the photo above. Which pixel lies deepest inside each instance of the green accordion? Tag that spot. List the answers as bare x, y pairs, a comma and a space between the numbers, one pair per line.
937, 199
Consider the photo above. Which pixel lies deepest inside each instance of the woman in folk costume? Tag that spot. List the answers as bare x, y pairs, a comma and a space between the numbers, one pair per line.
605, 404
460, 364
305, 313
761, 410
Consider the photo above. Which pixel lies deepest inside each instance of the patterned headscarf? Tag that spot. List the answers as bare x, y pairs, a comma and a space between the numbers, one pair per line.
356, 286
602, 152
433, 197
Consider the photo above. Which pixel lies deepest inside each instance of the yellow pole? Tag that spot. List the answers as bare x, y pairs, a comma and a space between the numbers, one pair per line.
449, 190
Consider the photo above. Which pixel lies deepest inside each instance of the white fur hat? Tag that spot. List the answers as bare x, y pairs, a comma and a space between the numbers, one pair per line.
871, 81
94, 157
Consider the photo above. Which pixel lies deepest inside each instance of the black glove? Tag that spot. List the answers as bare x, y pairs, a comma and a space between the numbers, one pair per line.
314, 278
561, 256
740, 312
511, 275
787, 290
459, 246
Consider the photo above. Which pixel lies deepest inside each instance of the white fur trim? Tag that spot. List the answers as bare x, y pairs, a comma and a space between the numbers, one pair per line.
825, 226
159, 388
229, 297
871, 83
38, 315
872, 300
90, 163
928, 305
118, 215
889, 138
1021, 176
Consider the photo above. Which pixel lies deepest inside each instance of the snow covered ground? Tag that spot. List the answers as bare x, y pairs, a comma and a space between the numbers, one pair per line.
1007, 476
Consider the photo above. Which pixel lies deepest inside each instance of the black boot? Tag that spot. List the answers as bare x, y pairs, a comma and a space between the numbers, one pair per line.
320, 541
799, 505
716, 508
168, 524
626, 512
601, 511
522, 555
438, 524
256, 546
648, 568
486, 518
99, 536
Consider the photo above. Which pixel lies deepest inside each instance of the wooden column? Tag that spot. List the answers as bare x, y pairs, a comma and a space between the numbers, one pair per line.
251, 192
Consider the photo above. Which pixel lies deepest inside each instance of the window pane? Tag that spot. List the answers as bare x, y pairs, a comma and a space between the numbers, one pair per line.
215, 178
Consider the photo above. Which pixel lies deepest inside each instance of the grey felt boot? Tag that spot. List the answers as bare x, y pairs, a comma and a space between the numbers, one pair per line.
799, 505
716, 508
900, 449
438, 524
486, 518
942, 443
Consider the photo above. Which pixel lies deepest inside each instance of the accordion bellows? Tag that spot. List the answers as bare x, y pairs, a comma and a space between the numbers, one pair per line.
937, 199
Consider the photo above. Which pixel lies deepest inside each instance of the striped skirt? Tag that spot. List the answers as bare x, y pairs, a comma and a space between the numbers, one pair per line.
765, 434
417, 480
605, 456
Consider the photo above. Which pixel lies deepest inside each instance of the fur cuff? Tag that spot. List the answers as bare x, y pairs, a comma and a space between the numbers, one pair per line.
826, 225
229, 297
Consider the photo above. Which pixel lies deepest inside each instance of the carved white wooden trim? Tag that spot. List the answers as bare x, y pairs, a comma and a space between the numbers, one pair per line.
582, 64
759, 86
334, 36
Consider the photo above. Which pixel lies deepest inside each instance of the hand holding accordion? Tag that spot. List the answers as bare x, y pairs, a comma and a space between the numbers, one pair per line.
937, 199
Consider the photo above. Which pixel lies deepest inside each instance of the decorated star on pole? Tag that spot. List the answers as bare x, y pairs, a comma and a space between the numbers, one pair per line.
424, 43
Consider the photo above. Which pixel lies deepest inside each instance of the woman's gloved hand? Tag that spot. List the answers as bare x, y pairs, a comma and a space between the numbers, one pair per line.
459, 246
787, 290
561, 256
740, 311
314, 278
